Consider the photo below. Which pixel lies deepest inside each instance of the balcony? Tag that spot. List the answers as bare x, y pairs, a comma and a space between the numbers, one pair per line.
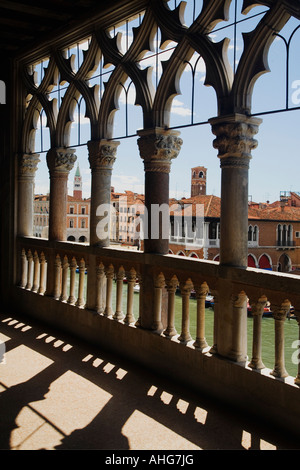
48, 291
88, 291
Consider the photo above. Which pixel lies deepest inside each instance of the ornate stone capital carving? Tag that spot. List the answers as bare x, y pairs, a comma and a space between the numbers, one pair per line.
28, 164
61, 160
201, 290
280, 311
257, 308
239, 300
234, 139
172, 284
102, 154
157, 148
186, 287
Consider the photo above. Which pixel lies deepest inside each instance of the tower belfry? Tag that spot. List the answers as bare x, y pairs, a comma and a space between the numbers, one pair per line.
77, 188
198, 182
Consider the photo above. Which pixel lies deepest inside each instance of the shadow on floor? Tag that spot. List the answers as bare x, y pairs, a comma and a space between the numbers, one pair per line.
60, 393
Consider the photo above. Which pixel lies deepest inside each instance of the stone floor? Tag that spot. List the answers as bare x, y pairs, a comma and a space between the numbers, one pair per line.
60, 393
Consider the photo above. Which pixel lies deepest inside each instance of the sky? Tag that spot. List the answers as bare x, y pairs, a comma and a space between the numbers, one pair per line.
274, 164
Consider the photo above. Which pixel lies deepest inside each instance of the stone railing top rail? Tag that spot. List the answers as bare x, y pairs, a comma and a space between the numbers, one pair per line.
255, 282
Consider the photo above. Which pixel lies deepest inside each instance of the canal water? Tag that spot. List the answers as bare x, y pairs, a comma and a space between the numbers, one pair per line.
291, 330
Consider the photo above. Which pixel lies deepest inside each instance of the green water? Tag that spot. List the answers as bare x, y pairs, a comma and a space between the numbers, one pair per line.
291, 330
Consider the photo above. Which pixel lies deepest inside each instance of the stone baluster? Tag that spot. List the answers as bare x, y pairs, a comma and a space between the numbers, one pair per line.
214, 348
102, 155
64, 282
239, 349
141, 293
57, 277
119, 315
297, 353
157, 148
257, 310
171, 289
235, 142
80, 300
60, 162
131, 280
73, 266
159, 284
100, 289
201, 293
24, 269
43, 274
27, 169
279, 313
109, 272
36, 272
29, 270
185, 289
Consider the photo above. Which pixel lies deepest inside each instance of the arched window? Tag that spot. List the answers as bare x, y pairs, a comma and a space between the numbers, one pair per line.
250, 231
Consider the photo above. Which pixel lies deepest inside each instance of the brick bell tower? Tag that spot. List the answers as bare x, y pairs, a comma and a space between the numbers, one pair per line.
77, 188
198, 183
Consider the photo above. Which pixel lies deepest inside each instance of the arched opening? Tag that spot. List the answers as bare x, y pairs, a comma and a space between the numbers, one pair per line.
264, 262
284, 264
251, 261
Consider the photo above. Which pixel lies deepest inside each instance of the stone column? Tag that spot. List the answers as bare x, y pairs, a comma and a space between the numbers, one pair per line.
157, 148
234, 141
120, 279
297, 358
109, 272
102, 155
238, 352
27, 168
60, 162
171, 288
201, 293
131, 280
279, 313
185, 289
257, 313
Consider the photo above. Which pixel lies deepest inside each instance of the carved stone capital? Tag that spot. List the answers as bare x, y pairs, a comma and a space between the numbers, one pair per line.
172, 284
234, 139
157, 148
280, 311
186, 287
28, 164
102, 154
61, 160
239, 300
201, 290
257, 308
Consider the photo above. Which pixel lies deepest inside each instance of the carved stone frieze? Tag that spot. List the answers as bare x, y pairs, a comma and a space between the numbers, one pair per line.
234, 139
61, 160
102, 154
157, 149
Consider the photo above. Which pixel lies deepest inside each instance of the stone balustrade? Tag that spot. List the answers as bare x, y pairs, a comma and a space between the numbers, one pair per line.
96, 269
